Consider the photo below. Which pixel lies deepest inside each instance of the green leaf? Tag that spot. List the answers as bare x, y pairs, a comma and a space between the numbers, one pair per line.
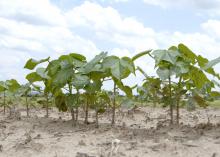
63, 76
3, 86
188, 54
198, 77
89, 67
200, 101
53, 67
166, 55
215, 94
119, 68
79, 81
25, 89
203, 62
13, 85
78, 57
42, 73
212, 63
94, 86
126, 89
140, 55
32, 63
33, 77
60, 102
126, 62
163, 73
71, 101
181, 68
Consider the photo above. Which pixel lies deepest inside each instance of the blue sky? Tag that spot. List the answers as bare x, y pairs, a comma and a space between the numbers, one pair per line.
37, 29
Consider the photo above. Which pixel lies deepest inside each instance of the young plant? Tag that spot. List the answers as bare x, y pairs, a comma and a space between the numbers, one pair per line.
8, 87
40, 75
65, 79
118, 69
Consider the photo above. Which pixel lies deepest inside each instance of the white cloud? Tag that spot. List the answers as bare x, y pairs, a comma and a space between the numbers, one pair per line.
114, 1
199, 4
109, 25
27, 30
23, 38
40, 12
212, 28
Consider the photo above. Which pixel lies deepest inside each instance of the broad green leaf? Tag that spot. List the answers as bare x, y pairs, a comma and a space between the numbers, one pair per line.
215, 94
188, 54
79, 81
200, 101
163, 73
90, 65
63, 76
181, 68
166, 55
25, 89
32, 63
93, 87
3, 86
71, 101
174, 48
109, 61
60, 103
119, 68
203, 62
42, 73
33, 77
13, 85
198, 77
53, 67
78, 57
126, 62
113, 64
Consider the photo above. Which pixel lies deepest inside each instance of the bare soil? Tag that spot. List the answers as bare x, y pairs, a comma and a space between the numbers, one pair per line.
145, 133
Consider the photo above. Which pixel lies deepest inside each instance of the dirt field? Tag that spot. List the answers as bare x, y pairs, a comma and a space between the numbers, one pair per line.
145, 134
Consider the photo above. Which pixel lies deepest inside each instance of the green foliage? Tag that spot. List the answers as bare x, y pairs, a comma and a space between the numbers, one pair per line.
32, 63
166, 55
119, 68
187, 53
60, 102
139, 55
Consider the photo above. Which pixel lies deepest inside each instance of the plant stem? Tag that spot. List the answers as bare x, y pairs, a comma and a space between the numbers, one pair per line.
77, 113
86, 110
72, 109
77, 108
114, 105
4, 103
97, 117
178, 101
27, 106
155, 99
171, 104
73, 115
47, 106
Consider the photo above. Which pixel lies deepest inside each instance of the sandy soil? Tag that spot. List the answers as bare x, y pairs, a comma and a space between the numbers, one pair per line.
146, 133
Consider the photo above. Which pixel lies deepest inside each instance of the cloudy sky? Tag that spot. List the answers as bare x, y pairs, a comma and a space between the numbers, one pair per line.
42, 28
